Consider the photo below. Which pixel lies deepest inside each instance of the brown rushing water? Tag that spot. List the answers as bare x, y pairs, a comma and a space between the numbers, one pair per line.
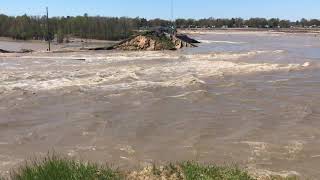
246, 98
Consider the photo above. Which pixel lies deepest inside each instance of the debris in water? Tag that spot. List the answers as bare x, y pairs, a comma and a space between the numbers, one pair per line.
21, 51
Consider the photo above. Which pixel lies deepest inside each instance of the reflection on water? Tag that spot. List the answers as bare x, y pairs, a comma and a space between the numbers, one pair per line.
252, 99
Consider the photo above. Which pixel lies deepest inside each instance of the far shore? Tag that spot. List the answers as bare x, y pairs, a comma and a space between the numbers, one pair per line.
187, 31
76, 43
253, 30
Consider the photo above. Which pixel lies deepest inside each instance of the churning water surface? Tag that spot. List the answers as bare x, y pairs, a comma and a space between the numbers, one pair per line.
246, 98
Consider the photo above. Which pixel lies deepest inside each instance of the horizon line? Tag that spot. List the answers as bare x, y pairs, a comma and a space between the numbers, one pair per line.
168, 19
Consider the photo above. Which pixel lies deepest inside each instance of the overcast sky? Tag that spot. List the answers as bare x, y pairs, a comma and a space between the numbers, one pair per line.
286, 9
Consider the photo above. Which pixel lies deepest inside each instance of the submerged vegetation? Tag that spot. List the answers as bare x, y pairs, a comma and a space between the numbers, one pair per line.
57, 168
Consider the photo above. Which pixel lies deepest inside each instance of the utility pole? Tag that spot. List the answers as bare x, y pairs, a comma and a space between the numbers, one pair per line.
48, 30
172, 19
172, 11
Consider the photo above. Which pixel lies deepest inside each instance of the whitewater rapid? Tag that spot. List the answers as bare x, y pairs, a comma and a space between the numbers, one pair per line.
245, 98
97, 71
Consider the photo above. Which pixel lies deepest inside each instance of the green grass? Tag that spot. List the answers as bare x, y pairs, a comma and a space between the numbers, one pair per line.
56, 168
196, 171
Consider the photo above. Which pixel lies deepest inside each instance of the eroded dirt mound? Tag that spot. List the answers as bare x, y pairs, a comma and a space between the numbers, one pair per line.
179, 43
154, 41
142, 42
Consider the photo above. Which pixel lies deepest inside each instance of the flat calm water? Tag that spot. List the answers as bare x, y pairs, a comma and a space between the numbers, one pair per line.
247, 98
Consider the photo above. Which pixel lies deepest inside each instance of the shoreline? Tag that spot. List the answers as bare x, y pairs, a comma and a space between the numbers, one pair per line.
54, 165
314, 31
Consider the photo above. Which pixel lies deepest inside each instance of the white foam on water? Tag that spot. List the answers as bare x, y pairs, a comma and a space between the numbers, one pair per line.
262, 174
220, 42
182, 71
230, 55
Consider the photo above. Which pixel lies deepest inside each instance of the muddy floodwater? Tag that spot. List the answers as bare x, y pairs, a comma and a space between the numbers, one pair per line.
250, 98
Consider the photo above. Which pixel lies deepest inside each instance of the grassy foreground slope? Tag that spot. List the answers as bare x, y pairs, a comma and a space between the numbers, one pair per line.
57, 168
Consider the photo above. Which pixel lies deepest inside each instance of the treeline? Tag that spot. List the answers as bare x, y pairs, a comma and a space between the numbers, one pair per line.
240, 23
114, 28
35, 27
86, 27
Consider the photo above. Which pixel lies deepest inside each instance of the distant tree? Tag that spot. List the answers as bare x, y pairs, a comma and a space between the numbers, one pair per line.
313, 22
257, 22
60, 36
304, 22
274, 22
284, 23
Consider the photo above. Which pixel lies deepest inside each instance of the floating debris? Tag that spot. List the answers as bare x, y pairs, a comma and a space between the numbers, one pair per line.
21, 51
